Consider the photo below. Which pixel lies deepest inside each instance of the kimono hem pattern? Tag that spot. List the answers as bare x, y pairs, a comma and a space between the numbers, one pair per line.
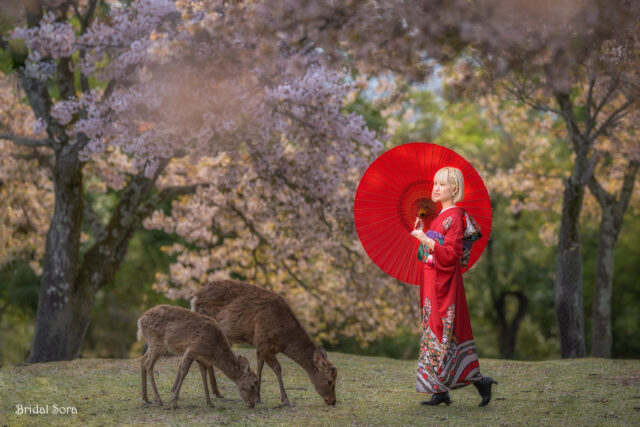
448, 357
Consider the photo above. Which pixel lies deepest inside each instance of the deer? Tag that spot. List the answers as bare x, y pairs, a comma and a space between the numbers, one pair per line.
197, 338
263, 319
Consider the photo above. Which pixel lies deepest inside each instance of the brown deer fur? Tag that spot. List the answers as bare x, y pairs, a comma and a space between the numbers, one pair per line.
253, 315
195, 337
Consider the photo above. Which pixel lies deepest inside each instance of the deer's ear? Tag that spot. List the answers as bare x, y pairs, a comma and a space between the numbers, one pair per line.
334, 371
319, 357
244, 363
323, 352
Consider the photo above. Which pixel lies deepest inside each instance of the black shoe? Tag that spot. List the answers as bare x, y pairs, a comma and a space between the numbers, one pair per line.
484, 388
437, 399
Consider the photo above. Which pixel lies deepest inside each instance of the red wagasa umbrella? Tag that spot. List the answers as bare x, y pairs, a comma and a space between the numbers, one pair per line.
395, 189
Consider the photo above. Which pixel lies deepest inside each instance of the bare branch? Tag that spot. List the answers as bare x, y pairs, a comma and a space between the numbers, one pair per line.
612, 119
84, 23
627, 190
610, 91
86, 19
521, 93
599, 192
590, 120
591, 166
28, 142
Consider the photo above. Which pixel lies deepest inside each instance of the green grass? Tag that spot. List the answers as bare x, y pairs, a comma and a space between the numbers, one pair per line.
371, 391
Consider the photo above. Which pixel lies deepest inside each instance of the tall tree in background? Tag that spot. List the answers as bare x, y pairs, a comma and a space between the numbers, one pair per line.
599, 119
612, 186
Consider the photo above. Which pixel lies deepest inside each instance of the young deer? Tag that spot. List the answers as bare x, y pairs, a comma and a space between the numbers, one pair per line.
263, 319
195, 337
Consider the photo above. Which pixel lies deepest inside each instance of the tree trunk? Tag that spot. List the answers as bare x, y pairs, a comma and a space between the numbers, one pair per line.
568, 281
610, 225
61, 319
601, 336
508, 329
68, 288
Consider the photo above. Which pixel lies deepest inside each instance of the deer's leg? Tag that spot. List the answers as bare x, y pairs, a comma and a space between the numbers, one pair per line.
185, 364
175, 383
260, 362
214, 384
203, 373
152, 358
143, 359
273, 364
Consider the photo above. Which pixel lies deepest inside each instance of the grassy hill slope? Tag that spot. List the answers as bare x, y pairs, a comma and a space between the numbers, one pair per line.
371, 391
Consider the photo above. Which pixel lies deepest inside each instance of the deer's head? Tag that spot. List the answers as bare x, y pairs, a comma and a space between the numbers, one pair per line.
248, 382
324, 379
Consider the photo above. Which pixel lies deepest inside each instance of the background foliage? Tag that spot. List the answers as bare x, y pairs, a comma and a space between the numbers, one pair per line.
520, 152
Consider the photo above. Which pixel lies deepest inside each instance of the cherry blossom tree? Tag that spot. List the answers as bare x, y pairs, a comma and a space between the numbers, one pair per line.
139, 94
286, 223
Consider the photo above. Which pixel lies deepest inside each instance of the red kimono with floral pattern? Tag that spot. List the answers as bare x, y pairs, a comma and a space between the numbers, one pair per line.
448, 357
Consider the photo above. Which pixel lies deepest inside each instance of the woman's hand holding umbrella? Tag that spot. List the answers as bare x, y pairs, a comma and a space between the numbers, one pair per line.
418, 233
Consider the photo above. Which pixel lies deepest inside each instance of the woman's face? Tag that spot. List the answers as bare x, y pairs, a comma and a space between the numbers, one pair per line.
442, 191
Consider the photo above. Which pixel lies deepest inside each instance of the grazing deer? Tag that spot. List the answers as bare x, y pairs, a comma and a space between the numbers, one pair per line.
253, 315
195, 337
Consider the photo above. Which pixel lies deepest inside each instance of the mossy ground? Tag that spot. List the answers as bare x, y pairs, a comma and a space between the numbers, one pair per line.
371, 391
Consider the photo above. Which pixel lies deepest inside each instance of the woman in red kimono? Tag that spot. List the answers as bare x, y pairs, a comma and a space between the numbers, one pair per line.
448, 357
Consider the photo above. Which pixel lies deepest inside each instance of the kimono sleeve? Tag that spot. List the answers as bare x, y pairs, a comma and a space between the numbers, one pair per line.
449, 253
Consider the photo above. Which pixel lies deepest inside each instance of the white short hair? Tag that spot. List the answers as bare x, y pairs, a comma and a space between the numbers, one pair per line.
454, 177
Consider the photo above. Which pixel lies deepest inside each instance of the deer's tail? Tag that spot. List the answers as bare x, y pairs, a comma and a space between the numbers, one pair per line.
193, 303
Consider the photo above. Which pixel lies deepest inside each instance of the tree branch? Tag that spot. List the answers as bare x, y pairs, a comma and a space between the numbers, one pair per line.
28, 142
300, 282
610, 90
84, 24
166, 194
591, 166
84, 20
40, 101
601, 195
518, 90
589, 104
612, 119
102, 260
566, 107
44, 160
626, 191
264, 241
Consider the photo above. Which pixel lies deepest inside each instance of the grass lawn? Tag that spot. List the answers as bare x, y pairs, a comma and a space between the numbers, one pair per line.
370, 391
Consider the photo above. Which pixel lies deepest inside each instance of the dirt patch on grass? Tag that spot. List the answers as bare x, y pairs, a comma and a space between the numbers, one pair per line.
626, 380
